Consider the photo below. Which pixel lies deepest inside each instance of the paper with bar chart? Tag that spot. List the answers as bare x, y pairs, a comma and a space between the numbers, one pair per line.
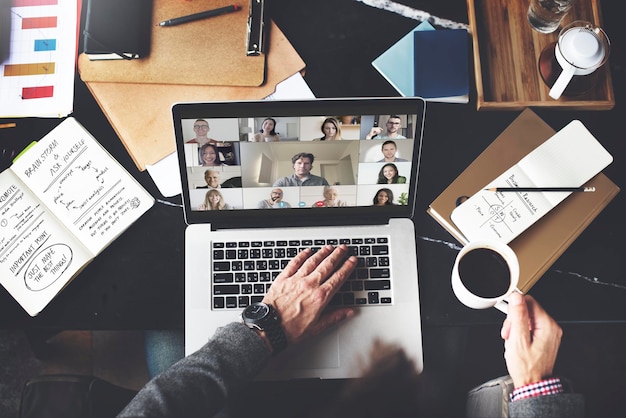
37, 78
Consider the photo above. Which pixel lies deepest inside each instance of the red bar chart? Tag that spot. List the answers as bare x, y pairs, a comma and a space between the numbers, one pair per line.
25, 3
37, 78
39, 22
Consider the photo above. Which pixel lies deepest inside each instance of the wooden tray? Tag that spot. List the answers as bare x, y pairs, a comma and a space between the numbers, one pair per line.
506, 55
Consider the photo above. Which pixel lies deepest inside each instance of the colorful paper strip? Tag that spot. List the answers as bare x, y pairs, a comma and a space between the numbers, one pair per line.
45, 45
26, 3
11, 70
37, 92
39, 22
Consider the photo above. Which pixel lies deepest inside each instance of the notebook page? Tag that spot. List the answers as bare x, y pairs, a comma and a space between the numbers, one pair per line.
569, 159
82, 185
37, 254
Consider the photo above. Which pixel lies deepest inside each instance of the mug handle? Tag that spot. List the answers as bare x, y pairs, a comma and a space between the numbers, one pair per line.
562, 82
503, 305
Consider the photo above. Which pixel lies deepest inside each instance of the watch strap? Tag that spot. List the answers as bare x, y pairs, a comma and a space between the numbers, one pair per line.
275, 335
274, 331
270, 325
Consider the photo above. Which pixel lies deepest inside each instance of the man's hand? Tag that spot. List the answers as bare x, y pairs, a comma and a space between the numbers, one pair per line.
305, 287
531, 340
374, 132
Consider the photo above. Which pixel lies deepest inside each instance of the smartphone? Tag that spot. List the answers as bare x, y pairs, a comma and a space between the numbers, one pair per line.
375, 126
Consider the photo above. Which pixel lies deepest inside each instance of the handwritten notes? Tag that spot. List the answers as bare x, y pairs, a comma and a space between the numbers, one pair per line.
61, 203
570, 158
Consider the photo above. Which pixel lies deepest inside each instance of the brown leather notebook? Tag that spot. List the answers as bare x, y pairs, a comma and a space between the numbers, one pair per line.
209, 51
141, 113
542, 244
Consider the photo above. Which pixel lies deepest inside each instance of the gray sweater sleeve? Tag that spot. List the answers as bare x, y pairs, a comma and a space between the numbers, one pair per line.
570, 405
199, 384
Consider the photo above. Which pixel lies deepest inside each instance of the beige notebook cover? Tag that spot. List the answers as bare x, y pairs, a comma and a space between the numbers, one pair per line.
544, 242
209, 51
141, 113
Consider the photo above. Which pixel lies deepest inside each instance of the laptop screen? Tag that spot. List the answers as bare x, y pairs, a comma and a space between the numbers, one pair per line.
292, 159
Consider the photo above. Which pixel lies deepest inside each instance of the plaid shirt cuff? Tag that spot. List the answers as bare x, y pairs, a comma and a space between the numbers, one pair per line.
550, 386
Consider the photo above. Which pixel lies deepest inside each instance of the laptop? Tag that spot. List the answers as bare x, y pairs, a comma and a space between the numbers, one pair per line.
251, 202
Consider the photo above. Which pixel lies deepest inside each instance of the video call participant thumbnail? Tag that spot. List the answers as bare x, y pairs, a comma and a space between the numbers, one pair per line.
302, 166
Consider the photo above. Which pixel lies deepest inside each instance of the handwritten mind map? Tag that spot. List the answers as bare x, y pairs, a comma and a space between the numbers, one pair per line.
569, 158
506, 213
75, 178
61, 203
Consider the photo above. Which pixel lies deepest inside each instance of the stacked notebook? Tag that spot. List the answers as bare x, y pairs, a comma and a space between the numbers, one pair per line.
541, 244
428, 63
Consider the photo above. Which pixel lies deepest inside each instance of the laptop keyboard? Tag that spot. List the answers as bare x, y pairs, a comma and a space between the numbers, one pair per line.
243, 271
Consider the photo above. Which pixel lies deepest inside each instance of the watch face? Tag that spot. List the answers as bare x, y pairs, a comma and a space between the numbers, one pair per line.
256, 311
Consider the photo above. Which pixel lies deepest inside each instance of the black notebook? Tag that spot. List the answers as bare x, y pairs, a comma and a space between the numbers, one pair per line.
117, 29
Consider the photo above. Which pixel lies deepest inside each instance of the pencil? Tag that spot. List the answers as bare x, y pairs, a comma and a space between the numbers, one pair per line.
542, 189
202, 15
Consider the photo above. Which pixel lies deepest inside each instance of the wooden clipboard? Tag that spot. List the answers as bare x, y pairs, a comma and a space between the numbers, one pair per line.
209, 51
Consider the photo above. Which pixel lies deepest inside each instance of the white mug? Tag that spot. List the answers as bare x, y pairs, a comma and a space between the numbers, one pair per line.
501, 259
581, 49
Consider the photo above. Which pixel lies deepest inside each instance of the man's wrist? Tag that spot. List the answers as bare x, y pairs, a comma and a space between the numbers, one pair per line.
551, 386
263, 337
264, 320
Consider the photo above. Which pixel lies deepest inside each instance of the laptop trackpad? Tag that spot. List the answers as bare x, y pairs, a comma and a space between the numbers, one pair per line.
320, 352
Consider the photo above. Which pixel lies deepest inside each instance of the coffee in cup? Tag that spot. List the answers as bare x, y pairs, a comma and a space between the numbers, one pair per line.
485, 273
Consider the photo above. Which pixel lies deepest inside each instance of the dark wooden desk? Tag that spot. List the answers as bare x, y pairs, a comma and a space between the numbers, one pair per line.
137, 283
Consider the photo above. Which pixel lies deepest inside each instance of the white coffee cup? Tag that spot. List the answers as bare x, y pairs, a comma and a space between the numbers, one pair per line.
479, 271
581, 49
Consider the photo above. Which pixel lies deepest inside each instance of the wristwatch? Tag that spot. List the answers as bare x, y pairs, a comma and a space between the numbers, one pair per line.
263, 317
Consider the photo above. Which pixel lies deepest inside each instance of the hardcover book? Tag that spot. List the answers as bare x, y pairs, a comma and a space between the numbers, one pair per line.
441, 64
